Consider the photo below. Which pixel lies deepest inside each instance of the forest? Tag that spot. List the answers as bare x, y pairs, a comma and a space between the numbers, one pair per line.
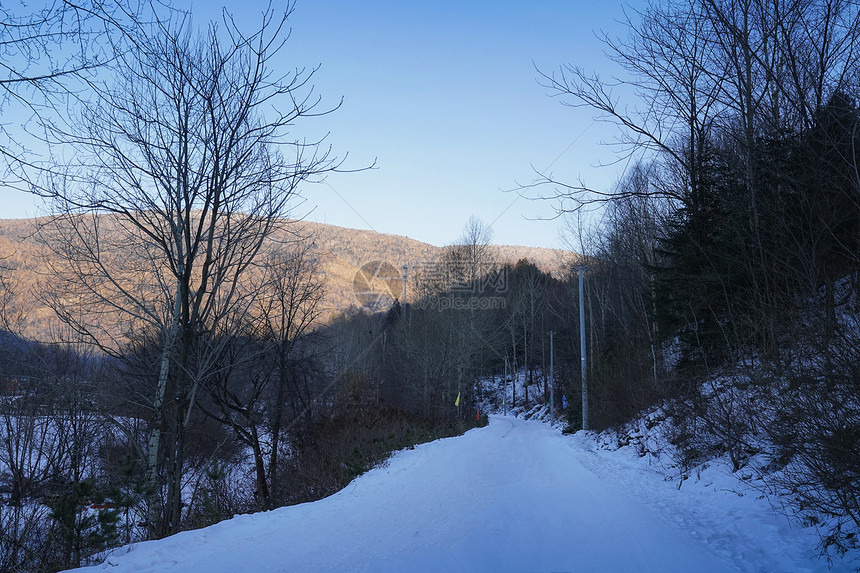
194, 377
728, 254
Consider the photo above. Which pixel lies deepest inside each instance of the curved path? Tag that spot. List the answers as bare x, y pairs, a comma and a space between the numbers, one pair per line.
514, 496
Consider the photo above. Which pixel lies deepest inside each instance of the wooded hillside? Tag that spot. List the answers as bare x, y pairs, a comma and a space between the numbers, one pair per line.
340, 251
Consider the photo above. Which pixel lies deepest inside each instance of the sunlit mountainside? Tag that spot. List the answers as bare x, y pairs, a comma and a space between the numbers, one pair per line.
341, 253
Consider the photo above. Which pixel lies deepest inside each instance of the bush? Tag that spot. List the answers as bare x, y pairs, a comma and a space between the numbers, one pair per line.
816, 437
80, 531
336, 450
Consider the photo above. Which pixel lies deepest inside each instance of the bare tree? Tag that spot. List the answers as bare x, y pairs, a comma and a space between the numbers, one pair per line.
669, 64
470, 257
6, 295
291, 309
705, 73
263, 388
179, 177
30, 37
47, 53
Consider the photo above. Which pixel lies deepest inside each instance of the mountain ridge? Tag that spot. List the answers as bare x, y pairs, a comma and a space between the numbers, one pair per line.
341, 252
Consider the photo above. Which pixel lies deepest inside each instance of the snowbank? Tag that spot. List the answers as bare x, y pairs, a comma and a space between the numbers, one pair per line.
514, 496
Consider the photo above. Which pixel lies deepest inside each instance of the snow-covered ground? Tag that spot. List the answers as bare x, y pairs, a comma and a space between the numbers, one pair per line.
514, 496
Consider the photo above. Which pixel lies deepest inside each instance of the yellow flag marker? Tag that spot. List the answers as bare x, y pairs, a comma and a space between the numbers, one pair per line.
457, 402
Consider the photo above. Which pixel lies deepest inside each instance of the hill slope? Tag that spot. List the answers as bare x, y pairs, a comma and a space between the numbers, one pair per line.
514, 496
340, 251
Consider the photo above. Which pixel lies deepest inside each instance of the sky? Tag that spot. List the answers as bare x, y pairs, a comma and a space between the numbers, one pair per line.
442, 99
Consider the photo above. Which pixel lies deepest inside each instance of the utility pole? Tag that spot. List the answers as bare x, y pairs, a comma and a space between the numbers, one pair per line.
505, 391
551, 382
582, 347
405, 282
405, 293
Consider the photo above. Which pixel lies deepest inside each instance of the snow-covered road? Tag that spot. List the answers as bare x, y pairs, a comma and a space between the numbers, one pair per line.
514, 496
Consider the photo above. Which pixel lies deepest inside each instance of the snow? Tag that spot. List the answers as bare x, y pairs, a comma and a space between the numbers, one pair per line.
514, 496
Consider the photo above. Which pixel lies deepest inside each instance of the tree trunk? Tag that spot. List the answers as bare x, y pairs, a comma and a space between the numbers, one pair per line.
174, 484
277, 421
260, 468
152, 502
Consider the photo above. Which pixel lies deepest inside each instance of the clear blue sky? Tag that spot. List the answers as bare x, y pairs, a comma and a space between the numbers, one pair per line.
444, 97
